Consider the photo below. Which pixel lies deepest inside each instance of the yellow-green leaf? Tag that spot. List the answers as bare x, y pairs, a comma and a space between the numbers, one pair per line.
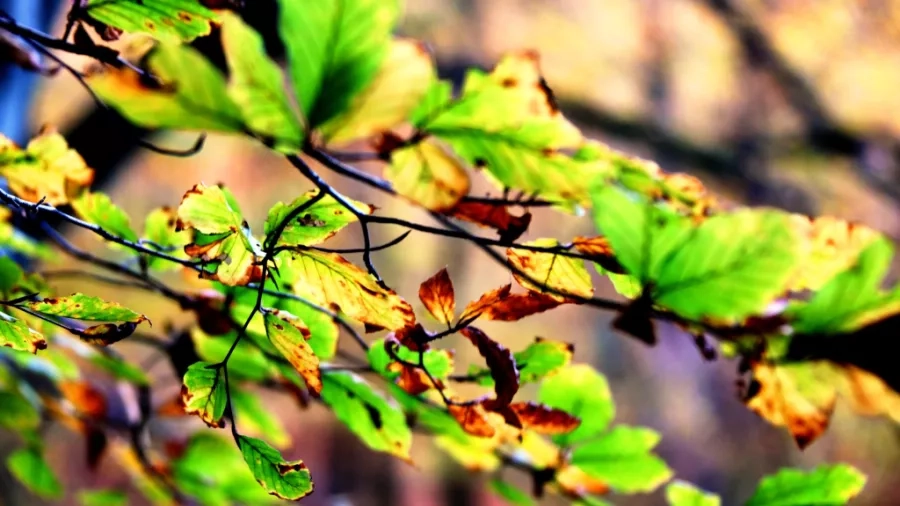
97, 208
405, 75
32, 470
203, 393
428, 174
557, 272
85, 307
176, 20
46, 169
287, 480
15, 334
316, 223
257, 87
289, 334
825, 485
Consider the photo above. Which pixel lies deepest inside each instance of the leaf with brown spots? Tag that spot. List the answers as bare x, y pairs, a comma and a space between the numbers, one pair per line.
86, 308
289, 335
436, 293
833, 245
171, 20
544, 419
502, 365
330, 280
221, 235
203, 393
473, 418
798, 397
46, 169
495, 216
15, 334
560, 273
106, 334
286, 480
317, 223
475, 308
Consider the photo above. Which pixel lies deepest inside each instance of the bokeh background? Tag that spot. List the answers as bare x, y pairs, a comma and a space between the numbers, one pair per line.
789, 103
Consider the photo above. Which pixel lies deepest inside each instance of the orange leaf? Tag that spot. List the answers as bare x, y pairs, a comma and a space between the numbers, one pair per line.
87, 399
473, 419
544, 419
577, 483
518, 306
474, 309
437, 295
494, 216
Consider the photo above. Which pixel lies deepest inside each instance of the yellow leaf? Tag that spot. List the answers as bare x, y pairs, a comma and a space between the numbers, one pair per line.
561, 273
832, 246
47, 168
428, 174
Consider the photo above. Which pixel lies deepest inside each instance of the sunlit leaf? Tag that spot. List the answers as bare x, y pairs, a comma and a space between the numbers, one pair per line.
540, 359
474, 419
102, 498
46, 169
257, 87
851, 299
584, 393
555, 272
834, 245
622, 459
32, 470
203, 393
438, 363
221, 234
283, 479
247, 361
436, 293
163, 19
500, 363
15, 334
428, 174
329, 279
544, 419
159, 231
475, 308
378, 423
681, 493
334, 50
97, 208
825, 486
405, 75
289, 334
192, 94
496, 216
85, 307
516, 306
315, 224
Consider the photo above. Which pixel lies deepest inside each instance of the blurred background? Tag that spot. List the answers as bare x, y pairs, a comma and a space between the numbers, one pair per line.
788, 103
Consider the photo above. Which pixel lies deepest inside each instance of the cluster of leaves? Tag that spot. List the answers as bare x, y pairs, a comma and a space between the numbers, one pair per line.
763, 282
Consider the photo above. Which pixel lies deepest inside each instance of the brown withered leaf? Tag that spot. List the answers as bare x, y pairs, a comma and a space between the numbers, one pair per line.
519, 305
475, 308
436, 293
635, 320
106, 334
599, 251
473, 418
798, 397
412, 380
502, 365
544, 419
495, 216
411, 335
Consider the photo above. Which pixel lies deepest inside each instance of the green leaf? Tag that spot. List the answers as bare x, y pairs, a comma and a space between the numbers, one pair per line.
287, 480
192, 96
323, 330
15, 334
204, 394
256, 419
85, 307
102, 498
10, 276
228, 481
851, 299
159, 230
622, 459
289, 334
540, 359
13, 240
438, 362
97, 208
379, 423
683, 263
404, 77
221, 234
429, 174
315, 224
584, 393
507, 123
182, 20
824, 486
257, 87
511, 494
330, 280
30, 468
17, 414
334, 49
682, 493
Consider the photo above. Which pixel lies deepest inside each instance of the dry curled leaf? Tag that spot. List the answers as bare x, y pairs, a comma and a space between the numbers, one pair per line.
544, 419
517, 306
475, 308
473, 418
502, 365
436, 293
496, 216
